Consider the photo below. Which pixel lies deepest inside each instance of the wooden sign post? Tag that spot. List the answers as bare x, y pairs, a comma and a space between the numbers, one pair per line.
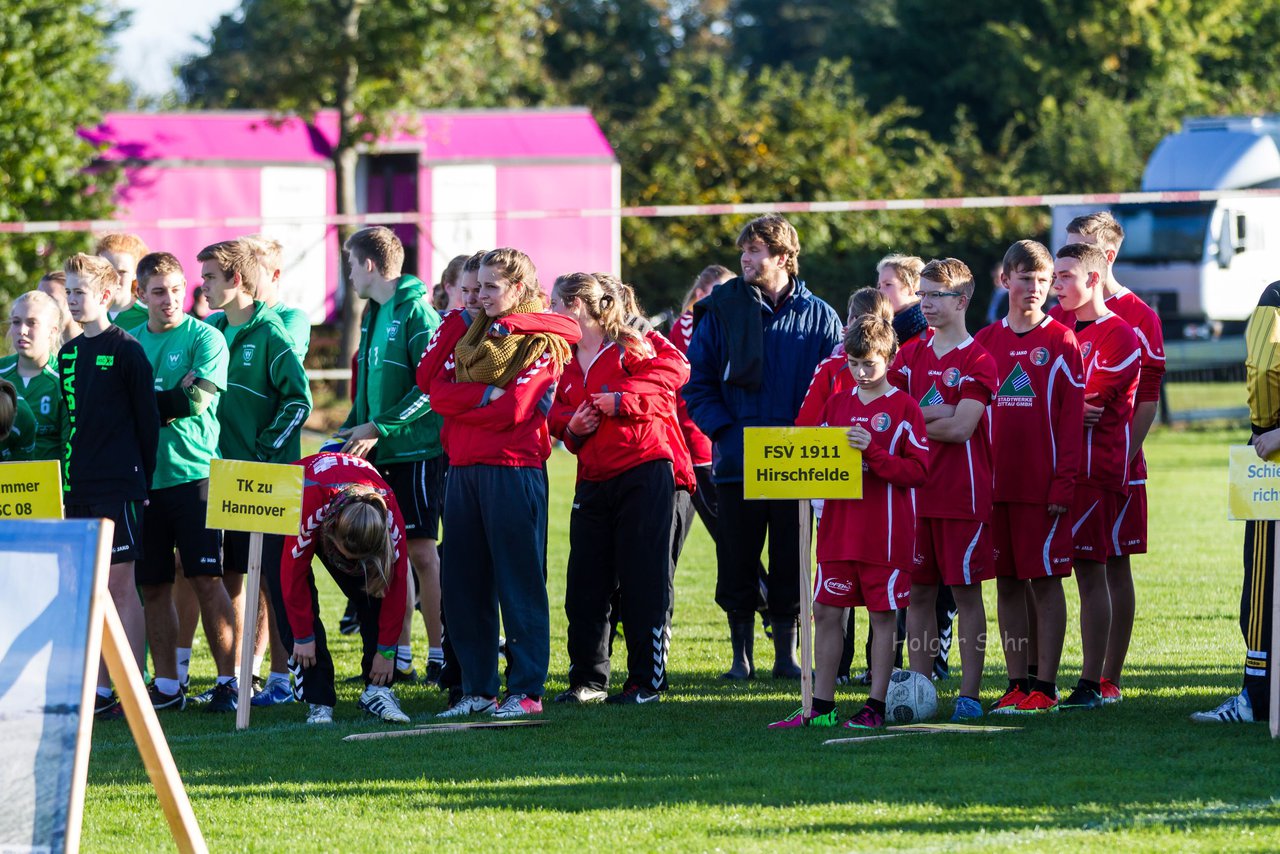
261, 498
1253, 494
801, 463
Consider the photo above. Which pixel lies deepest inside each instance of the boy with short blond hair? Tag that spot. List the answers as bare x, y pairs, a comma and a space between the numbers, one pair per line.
953, 378
1035, 440
113, 429
1112, 361
866, 547
270, 255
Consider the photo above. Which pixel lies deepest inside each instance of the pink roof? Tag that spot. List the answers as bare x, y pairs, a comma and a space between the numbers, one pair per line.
257, 137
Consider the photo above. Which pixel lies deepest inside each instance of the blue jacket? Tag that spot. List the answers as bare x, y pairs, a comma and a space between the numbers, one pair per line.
798, 335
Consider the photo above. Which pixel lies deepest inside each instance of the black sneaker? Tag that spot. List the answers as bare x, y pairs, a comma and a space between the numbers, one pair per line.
350, 622
582, 694
107, 708
225, 698
1081, 699
258, 685
432, 674
634, 695
161, 700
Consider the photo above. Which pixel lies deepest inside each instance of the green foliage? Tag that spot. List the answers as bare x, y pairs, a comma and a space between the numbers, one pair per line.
54, 79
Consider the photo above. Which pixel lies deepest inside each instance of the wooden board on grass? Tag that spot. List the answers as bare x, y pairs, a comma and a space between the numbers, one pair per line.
429, 729
965, 728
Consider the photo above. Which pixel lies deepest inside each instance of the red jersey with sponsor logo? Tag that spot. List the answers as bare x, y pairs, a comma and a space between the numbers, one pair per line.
697, 442
325, 478
959, 485
1036, 413
1112, 361
880, 527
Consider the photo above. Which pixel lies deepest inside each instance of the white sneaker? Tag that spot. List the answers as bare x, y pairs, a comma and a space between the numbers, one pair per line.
1236, 710
320, 714
378, 701
470, 705
517, 706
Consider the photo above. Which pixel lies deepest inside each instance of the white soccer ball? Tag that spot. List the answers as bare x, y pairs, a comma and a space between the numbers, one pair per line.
911, 697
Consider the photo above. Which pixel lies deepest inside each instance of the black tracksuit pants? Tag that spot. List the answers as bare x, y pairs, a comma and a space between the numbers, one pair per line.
1255, 614
740, 538
620, 540
316, 684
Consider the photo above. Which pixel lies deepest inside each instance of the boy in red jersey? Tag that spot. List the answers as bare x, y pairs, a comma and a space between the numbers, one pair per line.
1129, 534
1112, 360
953, 379
865, 547
1035, 441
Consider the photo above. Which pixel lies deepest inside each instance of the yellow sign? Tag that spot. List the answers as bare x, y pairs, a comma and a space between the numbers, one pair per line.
263, 497
1253, 485
800, 462
31, 490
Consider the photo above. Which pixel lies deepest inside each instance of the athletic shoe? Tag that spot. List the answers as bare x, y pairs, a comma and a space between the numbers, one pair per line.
320, 714
455, 694
405, 674
161, 700
350, 622
1110, 692
275, 694
1081, 698
202, 698
470, 705
863, 679
225, 698
258, 686
107, 708
967, 709
634, 695
844, 679
518, 706
378, 701
797, 719
1035, 703
1006, 704
866, 718
581, 694
432, 676
1237, 710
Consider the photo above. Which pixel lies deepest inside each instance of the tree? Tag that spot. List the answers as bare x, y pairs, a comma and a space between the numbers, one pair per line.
54, 80
371, 60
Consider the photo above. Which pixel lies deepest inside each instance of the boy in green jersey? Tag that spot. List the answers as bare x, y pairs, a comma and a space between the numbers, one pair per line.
268, 400
124, 251
34, 331
189, 361
270, 256
391, 422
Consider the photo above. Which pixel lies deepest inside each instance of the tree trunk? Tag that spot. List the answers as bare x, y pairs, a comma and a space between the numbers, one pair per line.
345, 158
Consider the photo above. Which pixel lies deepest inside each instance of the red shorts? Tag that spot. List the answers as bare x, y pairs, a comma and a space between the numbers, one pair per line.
849, 583
1129, 533
1030, 542
954, 552
1093, 512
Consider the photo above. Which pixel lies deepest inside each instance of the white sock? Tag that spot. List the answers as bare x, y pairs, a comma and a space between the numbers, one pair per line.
167, 686
435, 653
274, 678
257, 664
184, 663
404, 656
104, 692
227, 680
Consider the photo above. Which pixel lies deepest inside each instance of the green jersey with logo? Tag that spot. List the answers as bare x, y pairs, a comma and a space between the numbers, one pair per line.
132, 317
298, 327
44, 397
186, 443
377, 354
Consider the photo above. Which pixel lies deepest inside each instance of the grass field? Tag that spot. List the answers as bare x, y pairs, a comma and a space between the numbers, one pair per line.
700, 772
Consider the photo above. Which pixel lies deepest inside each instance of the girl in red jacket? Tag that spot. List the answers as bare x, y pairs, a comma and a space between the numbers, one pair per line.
615, 409
351, 521
494, 383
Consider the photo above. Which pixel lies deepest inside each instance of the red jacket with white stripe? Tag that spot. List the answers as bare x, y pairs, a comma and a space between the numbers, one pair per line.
697, 442
488, 429
646, 428
324, 477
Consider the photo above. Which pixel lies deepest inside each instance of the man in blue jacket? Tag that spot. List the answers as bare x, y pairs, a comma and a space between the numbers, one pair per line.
756, 342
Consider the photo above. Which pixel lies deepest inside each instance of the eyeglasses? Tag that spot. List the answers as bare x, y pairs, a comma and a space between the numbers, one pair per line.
931, 295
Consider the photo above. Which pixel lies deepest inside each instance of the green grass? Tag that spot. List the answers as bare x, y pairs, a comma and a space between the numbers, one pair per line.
700, 772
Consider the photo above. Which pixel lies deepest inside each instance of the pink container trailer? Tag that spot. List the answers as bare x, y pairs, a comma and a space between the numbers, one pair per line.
465, 172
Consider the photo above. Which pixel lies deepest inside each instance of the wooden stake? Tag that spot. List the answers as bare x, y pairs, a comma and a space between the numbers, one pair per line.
1273, 667
806, 610
147, 733
249, 631
429, 729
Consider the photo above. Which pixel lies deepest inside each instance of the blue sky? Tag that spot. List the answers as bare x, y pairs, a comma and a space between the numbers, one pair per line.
162, 33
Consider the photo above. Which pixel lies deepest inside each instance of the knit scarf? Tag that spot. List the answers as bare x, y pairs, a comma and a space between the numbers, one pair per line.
497, 359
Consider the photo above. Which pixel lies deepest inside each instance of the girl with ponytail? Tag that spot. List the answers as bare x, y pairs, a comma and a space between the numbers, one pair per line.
615, 408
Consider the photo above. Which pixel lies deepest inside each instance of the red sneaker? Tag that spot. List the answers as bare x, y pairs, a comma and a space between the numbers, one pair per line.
866, 718
1110, 692
1035, 703
1006, 704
